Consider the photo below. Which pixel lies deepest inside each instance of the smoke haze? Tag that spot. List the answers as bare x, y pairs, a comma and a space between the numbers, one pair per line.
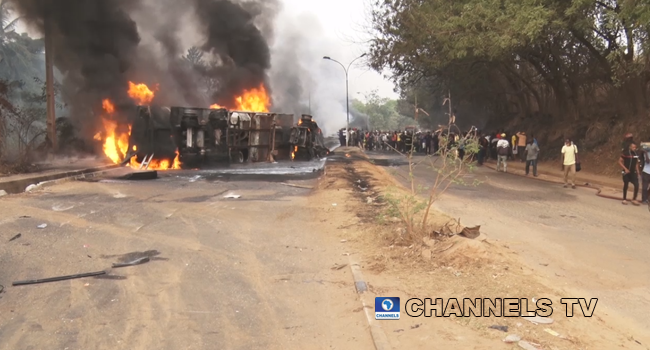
301, 78
101, 45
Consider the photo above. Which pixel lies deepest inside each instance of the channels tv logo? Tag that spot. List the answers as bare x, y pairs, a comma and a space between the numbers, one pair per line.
386, 308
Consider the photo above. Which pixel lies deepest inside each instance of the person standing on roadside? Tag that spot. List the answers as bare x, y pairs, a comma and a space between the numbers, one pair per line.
531, 153
522, 144
645, 176
569, 158
629, 161
503, 150
484, 143
514, 149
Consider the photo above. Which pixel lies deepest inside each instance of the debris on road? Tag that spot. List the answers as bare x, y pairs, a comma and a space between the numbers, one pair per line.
134, 262
3, 193
60, 278
16, 237
499, 328
338, 267
470, 232
297, 186
62, 208
512, 338
538, 319
119, 195
30, 188
42, 226
528, 346
551, 332
24, 217
344, 240
232, 196
141, 175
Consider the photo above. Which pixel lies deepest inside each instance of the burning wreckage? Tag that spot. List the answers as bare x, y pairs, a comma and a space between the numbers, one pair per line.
161, 138
181, 137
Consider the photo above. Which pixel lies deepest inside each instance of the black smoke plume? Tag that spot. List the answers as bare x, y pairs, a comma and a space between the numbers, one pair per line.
101, 45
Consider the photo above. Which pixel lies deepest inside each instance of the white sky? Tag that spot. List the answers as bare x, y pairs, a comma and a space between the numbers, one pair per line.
343, 22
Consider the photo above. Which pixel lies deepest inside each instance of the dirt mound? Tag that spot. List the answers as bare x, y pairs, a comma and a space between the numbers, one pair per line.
460, 252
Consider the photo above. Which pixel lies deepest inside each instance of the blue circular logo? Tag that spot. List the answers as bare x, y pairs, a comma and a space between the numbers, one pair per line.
387, 304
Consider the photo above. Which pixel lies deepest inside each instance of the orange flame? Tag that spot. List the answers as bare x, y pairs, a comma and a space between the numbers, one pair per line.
253, 100
293, 154
108, 106
141, 93
157, 164
116, 142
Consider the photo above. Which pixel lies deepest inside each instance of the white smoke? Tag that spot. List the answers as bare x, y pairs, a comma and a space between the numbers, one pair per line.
301, 80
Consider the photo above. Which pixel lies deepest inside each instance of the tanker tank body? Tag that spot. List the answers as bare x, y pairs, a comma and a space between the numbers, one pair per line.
151, 134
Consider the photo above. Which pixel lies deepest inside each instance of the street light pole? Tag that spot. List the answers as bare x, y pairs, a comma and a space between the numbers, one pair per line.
347, 94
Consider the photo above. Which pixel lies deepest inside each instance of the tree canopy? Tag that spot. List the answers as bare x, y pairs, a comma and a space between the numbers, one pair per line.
550, 60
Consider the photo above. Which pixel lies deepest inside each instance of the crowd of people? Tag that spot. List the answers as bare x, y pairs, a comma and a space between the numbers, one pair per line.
404, 141
503, 147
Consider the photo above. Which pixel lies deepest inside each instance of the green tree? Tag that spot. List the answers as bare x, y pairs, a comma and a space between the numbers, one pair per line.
382, 112
19, 54
553, 60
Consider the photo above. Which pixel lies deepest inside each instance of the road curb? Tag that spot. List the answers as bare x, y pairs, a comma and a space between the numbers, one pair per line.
19, 186
376, 332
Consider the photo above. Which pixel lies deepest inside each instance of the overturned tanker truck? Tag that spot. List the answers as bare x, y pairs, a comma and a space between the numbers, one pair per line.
204, 136
306, 140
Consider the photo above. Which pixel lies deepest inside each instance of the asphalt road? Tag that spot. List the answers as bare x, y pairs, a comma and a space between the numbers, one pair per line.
247, 273
578, 242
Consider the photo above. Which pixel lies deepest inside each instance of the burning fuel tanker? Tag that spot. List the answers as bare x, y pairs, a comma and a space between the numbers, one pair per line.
160, 138
194, 137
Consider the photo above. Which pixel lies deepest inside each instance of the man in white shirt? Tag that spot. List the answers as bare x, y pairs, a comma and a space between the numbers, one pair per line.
503, 150
569, 156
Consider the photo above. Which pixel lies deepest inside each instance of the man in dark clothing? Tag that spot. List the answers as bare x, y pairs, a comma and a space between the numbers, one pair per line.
482, 151
629, 161
435, 140
531, 152
408, 142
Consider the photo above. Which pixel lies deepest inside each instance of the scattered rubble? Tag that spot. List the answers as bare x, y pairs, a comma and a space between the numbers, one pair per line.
512, 338
133, 262
528, 346
499, 328
538, 319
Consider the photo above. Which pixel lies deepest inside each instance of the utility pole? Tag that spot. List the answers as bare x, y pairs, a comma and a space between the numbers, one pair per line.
347, 93
49, 87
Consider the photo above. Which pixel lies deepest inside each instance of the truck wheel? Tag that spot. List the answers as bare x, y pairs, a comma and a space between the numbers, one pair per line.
237, 157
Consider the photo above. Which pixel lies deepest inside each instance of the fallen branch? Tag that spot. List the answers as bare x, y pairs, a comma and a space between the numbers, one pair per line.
133, 263
56, 279
297, 186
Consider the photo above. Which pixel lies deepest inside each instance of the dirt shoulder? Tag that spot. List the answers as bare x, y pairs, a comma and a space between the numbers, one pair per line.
457, 268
